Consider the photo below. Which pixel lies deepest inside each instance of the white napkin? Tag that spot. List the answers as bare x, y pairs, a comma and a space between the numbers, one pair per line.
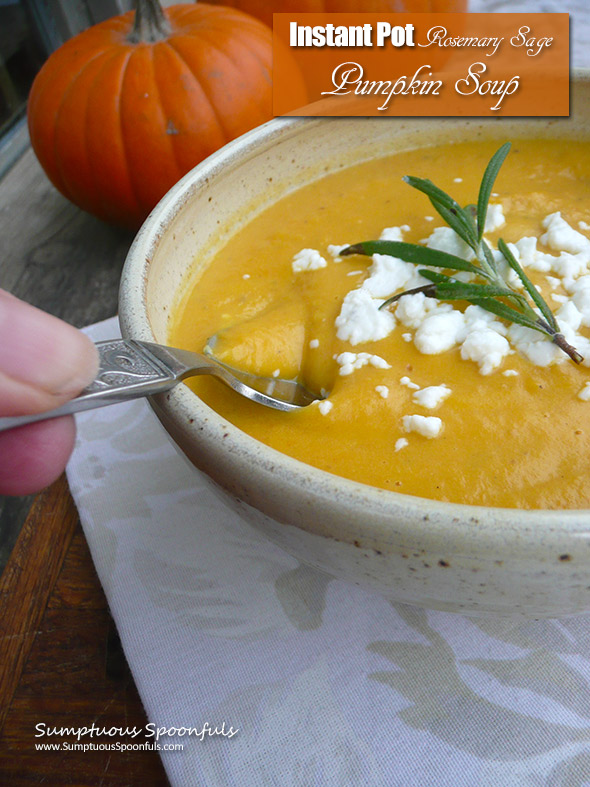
312, 680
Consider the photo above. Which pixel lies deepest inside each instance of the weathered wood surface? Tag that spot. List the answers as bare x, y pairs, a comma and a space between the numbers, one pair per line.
62, 663
58, 258
60, 658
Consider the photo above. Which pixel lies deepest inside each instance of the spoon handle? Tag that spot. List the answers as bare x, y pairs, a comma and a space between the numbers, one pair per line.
127, 370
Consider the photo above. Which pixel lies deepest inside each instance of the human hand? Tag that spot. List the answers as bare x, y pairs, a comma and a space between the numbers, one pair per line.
44, 362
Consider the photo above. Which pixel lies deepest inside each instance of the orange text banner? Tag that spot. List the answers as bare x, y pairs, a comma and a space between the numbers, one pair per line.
423, 64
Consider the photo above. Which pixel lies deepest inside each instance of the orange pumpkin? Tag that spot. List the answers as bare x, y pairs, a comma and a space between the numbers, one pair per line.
120, 112
264, 9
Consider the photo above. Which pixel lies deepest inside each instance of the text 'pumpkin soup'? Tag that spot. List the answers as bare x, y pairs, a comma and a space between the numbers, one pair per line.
440, 393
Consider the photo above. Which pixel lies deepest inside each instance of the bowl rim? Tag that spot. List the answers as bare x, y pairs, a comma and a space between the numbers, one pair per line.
181, 403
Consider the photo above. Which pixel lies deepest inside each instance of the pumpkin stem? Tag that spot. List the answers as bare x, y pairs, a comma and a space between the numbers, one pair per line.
150, 23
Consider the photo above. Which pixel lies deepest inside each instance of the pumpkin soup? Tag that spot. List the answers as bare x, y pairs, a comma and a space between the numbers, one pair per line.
429, 397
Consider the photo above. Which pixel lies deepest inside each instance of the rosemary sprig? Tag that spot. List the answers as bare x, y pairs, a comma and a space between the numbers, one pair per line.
495, 294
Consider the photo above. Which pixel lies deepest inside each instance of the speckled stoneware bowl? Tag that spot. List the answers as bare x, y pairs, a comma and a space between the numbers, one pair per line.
445, 556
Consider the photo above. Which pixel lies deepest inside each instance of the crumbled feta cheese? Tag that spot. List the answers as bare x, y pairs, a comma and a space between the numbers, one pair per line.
457, 180
569, 314
552, 281
431, 396
580, 291
527, 250
569, 266
573, 286
426, 425
584, 394
354, 273
389, 274
314, 343
334, 251
558, 298
409, 384
560, 236
382, 390
583, 347
510, 373
494, 218
476, 317
534, 346
446, 239
583, 225
486, 347
407, 337
325, 406
308, 260
391, 233
246, 276
439, 332
401, 443
348, 362
542, 262
429, 218
276, 373
411, 310
360, 319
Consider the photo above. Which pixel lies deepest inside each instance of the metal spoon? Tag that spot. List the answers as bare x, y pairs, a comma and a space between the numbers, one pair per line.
131, 369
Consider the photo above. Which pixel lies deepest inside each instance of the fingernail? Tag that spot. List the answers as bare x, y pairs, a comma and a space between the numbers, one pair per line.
42, 351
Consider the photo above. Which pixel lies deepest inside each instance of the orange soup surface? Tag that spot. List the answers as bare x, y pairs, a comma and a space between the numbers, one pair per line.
510, 431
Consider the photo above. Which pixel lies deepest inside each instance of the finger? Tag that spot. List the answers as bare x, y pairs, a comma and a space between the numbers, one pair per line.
43, 360
33, 456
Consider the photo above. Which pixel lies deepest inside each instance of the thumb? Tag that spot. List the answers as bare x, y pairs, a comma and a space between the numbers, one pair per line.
43, 360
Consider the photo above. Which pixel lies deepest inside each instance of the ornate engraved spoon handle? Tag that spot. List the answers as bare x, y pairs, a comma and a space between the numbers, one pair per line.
128, 370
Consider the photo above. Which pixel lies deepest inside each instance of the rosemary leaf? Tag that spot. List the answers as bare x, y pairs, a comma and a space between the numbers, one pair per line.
426, 289
487, 184
470, 212
528, 285
449, 210
488, 256
409, 252
506, 312
453, 290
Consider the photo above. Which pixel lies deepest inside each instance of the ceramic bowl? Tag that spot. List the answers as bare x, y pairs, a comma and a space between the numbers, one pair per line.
450, 557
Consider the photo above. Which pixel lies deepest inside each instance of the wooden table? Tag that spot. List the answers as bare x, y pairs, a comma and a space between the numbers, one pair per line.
61, 661
60, 259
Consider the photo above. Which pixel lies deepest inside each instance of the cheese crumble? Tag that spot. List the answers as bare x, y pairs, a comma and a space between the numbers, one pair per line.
427, 425
349, 362
360, 319
431, 396
334, 251
308, 260
481, 338
409, 384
